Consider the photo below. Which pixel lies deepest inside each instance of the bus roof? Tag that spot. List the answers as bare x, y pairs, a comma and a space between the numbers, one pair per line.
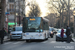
45, 19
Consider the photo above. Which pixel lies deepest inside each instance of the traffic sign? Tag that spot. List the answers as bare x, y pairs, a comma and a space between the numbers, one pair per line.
6, 19
7, 13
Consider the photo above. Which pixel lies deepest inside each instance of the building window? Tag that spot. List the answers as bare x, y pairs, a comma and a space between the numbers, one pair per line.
0, 0
11, 0
11, 6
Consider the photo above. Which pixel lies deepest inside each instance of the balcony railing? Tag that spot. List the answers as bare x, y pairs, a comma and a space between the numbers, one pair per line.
12, 10
11, 0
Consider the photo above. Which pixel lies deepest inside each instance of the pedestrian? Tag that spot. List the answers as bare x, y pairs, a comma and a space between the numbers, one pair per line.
62, 33
9, 30
2, 34
68, 32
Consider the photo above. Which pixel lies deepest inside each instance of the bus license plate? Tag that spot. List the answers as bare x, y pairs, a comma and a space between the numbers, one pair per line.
27, 33
32, 38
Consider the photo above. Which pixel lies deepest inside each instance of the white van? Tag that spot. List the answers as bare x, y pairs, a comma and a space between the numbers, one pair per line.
16, 33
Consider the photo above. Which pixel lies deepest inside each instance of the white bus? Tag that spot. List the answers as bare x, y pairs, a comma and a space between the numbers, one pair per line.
35, 28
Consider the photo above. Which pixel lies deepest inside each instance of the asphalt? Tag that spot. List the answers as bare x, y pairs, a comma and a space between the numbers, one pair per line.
49, 44
6, 39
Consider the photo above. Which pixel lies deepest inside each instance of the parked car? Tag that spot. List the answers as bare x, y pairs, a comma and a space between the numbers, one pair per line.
16, 33
51, 34
58, 35
52, 31
55, 30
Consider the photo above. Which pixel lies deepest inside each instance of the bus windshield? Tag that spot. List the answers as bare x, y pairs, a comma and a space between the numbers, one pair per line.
33, 25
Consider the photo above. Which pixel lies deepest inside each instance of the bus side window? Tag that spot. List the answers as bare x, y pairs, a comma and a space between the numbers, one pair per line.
44, 22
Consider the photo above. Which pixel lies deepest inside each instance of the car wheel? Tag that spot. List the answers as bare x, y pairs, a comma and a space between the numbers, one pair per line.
57, 39
46, 38
27, 40
11, 39
52, 36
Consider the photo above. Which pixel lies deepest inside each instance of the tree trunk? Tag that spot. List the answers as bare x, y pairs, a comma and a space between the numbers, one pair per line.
2, 17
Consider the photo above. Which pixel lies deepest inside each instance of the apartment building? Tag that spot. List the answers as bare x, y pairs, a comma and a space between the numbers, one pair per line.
15, 9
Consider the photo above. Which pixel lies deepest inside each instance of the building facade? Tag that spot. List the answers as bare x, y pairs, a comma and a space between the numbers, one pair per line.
15, 8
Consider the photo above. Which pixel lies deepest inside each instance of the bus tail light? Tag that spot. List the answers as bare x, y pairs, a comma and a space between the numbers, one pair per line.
23, 34
39, 35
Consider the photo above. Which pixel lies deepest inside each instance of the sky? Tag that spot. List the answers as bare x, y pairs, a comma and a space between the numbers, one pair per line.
42, 5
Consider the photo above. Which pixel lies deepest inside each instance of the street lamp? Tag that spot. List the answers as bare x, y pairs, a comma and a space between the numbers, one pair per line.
16, 18
24, 7
74, 21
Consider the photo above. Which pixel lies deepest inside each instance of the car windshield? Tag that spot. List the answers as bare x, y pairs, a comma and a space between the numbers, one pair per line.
18, 28
51, 29
59, 31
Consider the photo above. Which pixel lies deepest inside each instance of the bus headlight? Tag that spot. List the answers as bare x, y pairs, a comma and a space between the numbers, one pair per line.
23, 34
40, 35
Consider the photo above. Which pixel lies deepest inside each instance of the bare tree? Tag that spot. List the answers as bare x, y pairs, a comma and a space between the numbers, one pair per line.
62, 6
2, 17
34, 10
52, 19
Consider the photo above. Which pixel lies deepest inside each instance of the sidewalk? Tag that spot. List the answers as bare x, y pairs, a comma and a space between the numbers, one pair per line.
5, 38
73, 39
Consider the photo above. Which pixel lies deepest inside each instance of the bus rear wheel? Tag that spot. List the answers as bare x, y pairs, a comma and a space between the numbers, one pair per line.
46, 38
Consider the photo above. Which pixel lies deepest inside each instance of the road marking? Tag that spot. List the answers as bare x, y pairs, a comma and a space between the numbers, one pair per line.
17, 42
7, 43
21, 42
73, 39
71, 42
44, 42
64, 42
53, 42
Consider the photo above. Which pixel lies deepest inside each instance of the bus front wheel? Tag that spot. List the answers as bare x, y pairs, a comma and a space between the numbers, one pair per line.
27, 40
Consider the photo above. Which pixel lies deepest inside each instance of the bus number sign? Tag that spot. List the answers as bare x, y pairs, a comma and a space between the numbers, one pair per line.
32, 19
